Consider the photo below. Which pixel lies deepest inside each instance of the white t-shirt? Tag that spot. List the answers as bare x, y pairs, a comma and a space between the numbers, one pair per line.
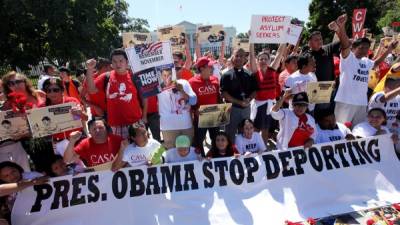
392, 107
138, 156
298, 83
172, 156
173, 109
253, 145
339, 133
364, 129
354, 75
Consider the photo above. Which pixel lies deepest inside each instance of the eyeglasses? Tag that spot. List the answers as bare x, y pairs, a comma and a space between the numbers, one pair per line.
53, 90
14, 82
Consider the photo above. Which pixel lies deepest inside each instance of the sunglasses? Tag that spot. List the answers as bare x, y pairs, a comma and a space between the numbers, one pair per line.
53, 90
299, 105
14, 82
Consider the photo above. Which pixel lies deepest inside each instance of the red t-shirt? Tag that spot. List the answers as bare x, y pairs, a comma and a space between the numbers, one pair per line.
207, 91
122, 99
268, 85
95, 154
302, 133
152, 104
100, 101
185, 74
63, 135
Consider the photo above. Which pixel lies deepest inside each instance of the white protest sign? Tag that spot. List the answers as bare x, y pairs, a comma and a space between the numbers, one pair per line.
153, 67
269, 29
293, 34
326, 179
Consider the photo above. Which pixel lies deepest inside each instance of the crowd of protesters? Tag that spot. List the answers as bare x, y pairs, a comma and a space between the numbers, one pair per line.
123, 129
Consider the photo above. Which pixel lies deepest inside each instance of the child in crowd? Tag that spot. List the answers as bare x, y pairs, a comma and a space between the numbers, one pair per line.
141, 151
182, 151
248, 141
222, 146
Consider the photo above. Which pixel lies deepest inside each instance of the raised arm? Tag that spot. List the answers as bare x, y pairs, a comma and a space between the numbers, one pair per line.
253, 63
339, 26
70, 154
91, 67
388, 50
189, 60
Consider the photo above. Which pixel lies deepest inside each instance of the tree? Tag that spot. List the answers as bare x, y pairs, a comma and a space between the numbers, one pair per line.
322, 12
62, 31
392, 15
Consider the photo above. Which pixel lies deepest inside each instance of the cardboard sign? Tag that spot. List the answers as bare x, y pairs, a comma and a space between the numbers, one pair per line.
53, 119
388, 40
269, 29
293, 34
358, 23
241, 43
210, 34
320, 92
154, 67
214, 115
13, 125
129, 39
173, 34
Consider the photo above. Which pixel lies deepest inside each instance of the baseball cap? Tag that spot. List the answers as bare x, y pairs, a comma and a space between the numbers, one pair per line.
300, 98
64, 69
182, 141
203, 61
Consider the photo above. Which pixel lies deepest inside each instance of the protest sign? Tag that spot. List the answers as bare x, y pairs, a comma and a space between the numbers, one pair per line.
210, 34
153, 67
293, 34
269, 29
320, 92
242, 43
387, 40
173, 34
326, 179
129, 39
215, 115
53, 119
13, 124
358, 23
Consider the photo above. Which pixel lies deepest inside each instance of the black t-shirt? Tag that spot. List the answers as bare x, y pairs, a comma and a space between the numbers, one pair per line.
240, 84
324, 60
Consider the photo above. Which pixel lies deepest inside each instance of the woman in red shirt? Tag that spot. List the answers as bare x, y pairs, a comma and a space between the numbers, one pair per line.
19, 96
268, 91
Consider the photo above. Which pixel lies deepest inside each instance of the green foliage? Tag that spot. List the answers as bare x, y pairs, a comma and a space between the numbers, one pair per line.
61, 31
392, 15
322, 12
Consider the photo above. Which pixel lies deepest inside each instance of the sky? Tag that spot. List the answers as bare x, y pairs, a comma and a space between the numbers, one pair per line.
235, 13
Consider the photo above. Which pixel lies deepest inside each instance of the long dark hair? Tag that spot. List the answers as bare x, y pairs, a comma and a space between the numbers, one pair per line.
229, 148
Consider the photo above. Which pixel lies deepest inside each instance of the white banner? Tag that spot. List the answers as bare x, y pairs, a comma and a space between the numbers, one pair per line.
269, 29
292, 185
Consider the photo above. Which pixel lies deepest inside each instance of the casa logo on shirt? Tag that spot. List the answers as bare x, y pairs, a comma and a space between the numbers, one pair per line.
138, 157
206, 90
100, 159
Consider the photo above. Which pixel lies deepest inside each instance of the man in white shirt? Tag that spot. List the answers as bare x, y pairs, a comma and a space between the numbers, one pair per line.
182, 152
174, 106
351, 97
